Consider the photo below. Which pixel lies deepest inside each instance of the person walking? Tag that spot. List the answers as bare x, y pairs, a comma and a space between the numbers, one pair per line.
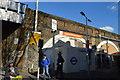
45, 63
60, 62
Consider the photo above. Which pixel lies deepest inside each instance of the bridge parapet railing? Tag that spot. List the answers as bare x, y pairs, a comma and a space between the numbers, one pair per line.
12, 11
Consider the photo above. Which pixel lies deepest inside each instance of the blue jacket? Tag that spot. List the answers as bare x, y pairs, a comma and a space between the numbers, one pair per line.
45, 62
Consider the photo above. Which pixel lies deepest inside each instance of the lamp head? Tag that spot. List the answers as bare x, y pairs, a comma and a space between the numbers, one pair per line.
89, 20
82, 13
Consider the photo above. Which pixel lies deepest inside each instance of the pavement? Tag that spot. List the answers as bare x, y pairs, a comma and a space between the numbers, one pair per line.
99, 74
26, 75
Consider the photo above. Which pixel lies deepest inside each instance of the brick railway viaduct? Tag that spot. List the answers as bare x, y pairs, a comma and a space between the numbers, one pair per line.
108, 41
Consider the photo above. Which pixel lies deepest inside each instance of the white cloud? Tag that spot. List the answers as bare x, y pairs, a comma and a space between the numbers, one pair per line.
108, 28
114, 6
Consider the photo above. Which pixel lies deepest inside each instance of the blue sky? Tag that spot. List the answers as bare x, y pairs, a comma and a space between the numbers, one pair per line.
103, 15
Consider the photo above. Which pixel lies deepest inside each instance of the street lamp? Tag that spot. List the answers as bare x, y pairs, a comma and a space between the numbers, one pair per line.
87, 41
87, 20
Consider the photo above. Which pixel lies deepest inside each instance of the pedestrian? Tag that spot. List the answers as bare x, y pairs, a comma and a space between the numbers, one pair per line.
11, 72
60, 62
45, 64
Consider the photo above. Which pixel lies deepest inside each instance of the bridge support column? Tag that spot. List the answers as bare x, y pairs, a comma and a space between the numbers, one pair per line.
93, 41
0, 43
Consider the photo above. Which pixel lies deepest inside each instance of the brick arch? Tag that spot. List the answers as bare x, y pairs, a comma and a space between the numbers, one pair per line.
58, 37
111, 49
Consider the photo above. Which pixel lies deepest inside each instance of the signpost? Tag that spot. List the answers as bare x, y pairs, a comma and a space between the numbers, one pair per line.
54, 28
37, 35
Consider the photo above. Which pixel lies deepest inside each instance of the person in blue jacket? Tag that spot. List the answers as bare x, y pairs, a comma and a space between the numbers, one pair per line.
45, 63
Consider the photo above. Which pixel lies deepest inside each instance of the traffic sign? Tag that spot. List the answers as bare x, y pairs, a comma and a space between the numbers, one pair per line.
34, 37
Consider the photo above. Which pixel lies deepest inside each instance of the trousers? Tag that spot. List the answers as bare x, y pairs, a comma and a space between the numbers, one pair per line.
46, 71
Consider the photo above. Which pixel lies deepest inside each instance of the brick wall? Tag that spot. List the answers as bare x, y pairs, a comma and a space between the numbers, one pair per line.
44, 25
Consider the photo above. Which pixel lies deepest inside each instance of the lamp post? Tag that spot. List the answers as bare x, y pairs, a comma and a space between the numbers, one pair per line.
35, 29
87, 41
36, 16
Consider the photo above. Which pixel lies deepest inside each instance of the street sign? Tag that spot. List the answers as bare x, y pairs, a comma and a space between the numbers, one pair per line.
73, 60
54, 24
71, 34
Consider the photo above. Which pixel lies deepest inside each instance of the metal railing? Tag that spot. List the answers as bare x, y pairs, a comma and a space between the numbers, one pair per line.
12, 11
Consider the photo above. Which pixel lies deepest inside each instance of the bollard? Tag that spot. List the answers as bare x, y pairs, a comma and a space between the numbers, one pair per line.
38, 75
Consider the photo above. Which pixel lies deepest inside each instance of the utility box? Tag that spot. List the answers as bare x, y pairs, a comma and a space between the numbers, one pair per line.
75, 57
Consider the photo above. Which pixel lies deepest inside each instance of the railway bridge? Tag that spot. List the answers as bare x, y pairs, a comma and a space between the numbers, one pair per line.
16, 36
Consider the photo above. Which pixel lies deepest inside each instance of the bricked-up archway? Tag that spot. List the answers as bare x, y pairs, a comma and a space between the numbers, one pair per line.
112, 48
72, 41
